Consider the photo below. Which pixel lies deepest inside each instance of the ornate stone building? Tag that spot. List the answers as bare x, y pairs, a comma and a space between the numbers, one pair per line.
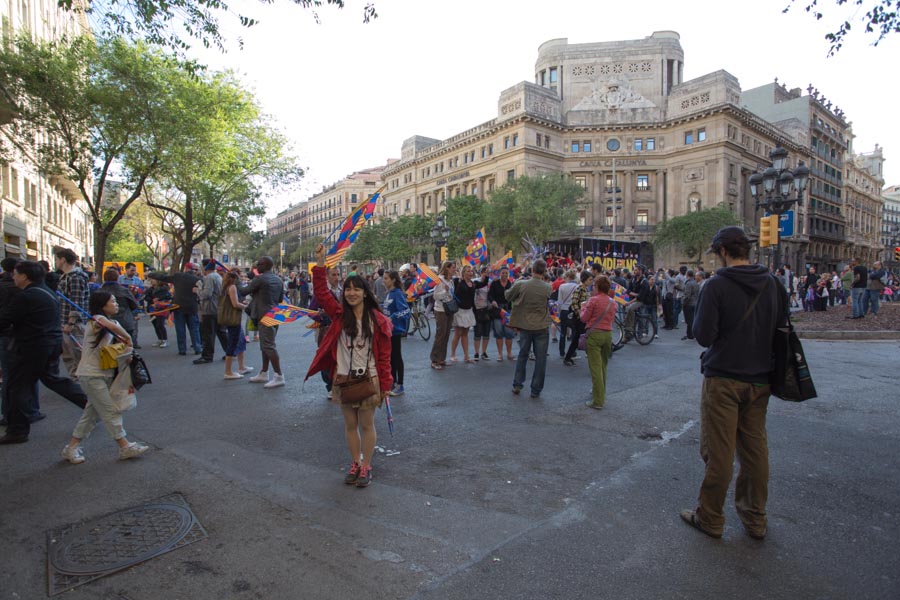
605, 113
890, 225
39, 212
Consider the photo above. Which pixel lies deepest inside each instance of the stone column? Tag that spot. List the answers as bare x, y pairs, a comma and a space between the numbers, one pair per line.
660, 189
596, 199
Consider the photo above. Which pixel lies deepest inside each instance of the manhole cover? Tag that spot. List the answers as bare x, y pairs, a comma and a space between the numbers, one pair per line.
83, 552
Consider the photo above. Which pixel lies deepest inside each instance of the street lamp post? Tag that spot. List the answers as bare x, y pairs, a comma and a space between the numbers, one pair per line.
614, 200
440, 233
773, 187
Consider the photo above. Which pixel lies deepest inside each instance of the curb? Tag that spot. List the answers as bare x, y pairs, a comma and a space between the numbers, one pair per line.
848, 335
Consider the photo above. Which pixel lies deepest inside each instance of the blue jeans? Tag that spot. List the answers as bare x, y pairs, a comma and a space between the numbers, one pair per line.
536, 341
193, 324
676, 310
872, 297
858, 296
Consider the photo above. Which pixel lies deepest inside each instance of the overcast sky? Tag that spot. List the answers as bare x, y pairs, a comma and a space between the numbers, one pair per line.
348, 94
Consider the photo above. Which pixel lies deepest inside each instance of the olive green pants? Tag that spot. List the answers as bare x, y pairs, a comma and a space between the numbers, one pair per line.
733, 418
599, 349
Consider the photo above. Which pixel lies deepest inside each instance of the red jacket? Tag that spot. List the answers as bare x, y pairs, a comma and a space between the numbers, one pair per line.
326, 356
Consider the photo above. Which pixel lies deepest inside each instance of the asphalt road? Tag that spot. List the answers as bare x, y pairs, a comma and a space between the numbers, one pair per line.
479, 494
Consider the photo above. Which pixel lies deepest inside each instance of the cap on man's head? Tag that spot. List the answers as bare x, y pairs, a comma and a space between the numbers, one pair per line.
727, 236
189, 266
209, 265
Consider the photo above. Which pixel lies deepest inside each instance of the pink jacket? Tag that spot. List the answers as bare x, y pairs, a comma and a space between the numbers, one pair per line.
593, 308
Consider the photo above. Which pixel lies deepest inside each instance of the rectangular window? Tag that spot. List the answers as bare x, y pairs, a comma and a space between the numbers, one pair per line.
651, 143
581, 180
14, 183
538, 138
474, 189
542, 78
483, 152
515, 141
576, 147
643, 182
511, 175
609, 217
506, 143
466, 158
553, 75
643, 217
701, 136
688, 137
638, 144
472, 156
407, 205
547, 142
490, 149
586, 145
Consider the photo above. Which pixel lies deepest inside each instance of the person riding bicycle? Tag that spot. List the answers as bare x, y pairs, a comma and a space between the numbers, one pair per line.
639, 293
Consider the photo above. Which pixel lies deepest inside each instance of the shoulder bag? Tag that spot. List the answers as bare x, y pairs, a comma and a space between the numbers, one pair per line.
582, 339
227, 315
357, 385
791, 379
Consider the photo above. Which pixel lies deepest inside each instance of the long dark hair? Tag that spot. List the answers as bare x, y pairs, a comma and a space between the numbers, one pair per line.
370, 303
96, 302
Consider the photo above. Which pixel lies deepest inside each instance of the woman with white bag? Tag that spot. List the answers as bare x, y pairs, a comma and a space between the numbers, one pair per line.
96, 381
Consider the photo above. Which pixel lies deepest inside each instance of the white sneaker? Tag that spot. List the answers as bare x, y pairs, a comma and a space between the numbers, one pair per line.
157, 343
245, 370
164, 344
276, 381
261, 377
233, 376
132, 450
73, 455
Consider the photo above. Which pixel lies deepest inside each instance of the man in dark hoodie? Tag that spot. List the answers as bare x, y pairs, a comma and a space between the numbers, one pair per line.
735, 320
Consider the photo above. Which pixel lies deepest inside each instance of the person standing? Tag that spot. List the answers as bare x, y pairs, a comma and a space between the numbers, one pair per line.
357, 344
498, 302
530, 316
874, 287
737, 314
185, 296
580, 297
858, 289
127, 304
380, 287
397, 309
135, 285
482, 331
232, 311
8, 291
303, 290
443, 292
157, 294
691, 295
597, 315
464, 292
266, 290
210, 293
566, 317
333, 283
846, 283
97, 381
36, 336
73, 284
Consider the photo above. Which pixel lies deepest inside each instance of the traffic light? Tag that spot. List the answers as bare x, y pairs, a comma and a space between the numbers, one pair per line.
897, 253
765, 232
774, 224
443, 253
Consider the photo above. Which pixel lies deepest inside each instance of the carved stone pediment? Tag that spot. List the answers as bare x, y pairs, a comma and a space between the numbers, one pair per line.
613, 94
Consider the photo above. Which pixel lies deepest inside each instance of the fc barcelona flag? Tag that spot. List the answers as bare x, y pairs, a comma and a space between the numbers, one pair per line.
285, 313
351, 228
426, 279
477, 251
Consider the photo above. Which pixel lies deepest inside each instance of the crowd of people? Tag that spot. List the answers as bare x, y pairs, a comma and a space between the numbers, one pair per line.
47, 315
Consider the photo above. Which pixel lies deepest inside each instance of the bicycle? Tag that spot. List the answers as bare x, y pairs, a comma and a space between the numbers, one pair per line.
418, 322
644, 332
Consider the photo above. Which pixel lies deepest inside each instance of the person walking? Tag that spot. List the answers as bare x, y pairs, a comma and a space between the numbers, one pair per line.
580, 297
357, 344
124, 299
158, 294
32, 318
231, 309
443, 292
135, 285
96, 381
531, 317
185, 296
73, 284
266, 290
397, 309
691, 295
598, 315
736, 317
209, 294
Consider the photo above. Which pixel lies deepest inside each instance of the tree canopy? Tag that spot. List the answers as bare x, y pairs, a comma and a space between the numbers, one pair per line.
882, 18
174, 23
692, 233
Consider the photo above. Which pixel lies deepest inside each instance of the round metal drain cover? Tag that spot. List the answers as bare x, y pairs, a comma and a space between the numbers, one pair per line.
121, 539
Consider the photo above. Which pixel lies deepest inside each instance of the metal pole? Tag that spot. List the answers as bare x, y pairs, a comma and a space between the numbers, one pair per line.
615, 211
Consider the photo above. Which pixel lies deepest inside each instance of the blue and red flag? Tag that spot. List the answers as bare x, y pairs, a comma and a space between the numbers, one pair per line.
426, 279
620, 295
285, 313
477, 250
351, 228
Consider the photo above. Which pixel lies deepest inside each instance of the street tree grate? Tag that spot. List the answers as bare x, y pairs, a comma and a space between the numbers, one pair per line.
82, 552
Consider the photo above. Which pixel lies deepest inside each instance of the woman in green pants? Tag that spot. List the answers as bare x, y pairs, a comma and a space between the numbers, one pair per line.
597, 314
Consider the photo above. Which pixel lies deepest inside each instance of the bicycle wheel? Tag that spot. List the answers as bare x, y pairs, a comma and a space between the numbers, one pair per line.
618, 333
424, 327
645, 330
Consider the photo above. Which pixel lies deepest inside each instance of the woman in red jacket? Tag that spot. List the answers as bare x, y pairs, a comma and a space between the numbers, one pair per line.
357, 343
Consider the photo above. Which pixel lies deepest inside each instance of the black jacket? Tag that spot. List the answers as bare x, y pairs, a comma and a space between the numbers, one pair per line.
737, 347
184, 284
34, 317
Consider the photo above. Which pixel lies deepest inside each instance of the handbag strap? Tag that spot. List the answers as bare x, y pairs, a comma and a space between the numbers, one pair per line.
597, 320
368, 358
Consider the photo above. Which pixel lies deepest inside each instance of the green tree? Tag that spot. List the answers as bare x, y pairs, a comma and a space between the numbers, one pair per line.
882, 17
126, 244
98, 110
541, 207
464, 216
174, 23
692, 232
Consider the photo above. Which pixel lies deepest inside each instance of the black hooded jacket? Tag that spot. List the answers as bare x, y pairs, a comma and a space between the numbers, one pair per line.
737, 347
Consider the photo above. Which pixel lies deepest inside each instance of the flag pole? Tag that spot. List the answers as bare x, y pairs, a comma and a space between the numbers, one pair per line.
355, 208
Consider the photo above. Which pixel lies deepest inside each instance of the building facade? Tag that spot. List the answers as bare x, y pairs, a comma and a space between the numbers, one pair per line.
39, 212
614, 116
843, 207
890, 226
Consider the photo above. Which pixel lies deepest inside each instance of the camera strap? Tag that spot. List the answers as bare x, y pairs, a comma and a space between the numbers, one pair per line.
350, 372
